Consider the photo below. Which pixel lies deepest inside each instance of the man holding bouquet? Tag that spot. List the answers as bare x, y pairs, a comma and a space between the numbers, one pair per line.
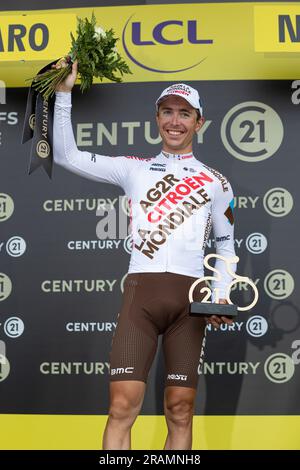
175, 200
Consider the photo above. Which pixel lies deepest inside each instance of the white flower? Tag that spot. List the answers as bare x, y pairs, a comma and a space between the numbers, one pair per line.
99, 32
114, 53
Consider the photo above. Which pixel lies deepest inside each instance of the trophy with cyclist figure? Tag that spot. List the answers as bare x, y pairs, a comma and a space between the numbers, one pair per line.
208, 307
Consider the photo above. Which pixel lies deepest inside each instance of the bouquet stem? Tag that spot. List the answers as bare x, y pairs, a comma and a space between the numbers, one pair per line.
45, 83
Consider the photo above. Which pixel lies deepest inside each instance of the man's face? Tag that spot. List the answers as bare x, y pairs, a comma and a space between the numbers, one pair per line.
177, 123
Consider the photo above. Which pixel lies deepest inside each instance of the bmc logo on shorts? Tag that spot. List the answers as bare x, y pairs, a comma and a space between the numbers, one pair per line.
177, 377
122, 370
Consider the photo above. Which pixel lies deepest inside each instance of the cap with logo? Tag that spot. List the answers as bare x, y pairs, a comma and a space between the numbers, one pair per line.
184, 91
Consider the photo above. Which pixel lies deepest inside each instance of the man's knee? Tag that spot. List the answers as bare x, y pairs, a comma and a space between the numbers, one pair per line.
125, 403
179, 409
122, 409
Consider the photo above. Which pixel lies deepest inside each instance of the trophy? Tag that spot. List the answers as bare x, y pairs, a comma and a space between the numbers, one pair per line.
207, 307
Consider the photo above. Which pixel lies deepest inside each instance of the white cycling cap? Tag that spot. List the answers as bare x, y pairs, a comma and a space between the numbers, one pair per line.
184, 91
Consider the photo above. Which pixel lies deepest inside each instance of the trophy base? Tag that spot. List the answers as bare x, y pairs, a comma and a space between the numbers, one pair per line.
207, 308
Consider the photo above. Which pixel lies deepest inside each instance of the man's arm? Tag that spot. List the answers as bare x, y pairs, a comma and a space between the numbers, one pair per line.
223, 228
102, 168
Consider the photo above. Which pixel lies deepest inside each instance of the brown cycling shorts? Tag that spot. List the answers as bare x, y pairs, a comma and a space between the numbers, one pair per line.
157, 304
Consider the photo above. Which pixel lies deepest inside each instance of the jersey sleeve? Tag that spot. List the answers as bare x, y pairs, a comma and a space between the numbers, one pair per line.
223, 228
105, 169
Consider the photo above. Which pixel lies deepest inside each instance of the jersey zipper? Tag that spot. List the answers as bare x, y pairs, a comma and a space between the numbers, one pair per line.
174, 166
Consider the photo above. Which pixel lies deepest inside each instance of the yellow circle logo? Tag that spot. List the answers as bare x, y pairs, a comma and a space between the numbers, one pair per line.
32, 121
43, 149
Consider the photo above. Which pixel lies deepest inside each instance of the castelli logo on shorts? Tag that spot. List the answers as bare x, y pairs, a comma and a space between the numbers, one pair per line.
122, 370
177, 377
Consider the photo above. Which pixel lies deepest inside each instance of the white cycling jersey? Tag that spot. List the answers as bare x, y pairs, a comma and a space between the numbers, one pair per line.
174, 201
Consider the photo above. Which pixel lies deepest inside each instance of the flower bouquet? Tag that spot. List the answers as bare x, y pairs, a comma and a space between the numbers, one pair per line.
97, 55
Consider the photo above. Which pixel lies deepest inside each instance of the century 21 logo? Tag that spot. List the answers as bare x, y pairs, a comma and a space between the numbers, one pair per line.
171, 32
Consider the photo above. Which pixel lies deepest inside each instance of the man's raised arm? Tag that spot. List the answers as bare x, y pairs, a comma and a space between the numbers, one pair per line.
102, 168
